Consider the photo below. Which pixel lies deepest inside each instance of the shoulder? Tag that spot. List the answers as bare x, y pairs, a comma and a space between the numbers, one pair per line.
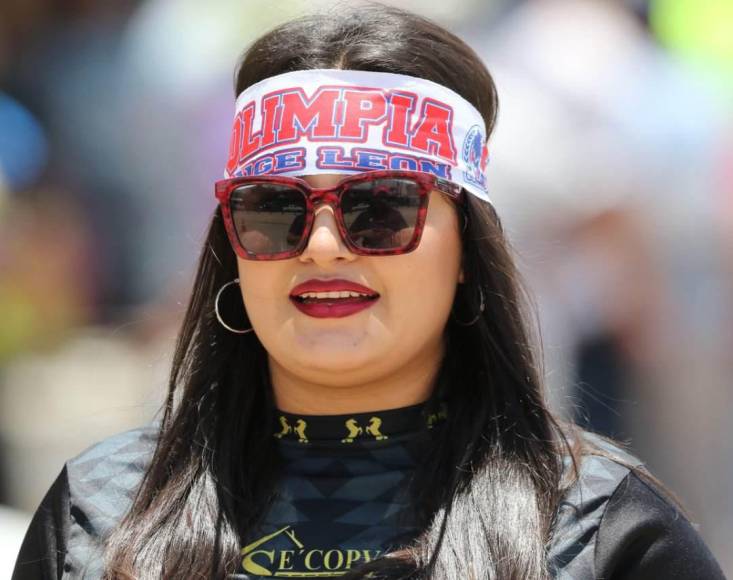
88, 498
645, 535
119, 454
615, 522
102, 482
103, 478
582, 507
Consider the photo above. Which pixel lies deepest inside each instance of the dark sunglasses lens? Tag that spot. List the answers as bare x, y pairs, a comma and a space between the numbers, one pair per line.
269, 218
381, 214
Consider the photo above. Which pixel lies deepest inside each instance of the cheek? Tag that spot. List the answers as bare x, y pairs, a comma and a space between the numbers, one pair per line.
261, 284
424, 283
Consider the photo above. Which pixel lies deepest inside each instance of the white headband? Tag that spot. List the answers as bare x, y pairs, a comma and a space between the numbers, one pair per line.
335, 121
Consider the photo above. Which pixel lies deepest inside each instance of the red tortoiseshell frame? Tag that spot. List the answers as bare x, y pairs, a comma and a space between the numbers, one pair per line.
315, 196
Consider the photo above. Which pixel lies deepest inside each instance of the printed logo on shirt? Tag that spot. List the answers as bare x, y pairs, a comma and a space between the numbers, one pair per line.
440, 415
354, 430
298, 429
360, 428
300, 561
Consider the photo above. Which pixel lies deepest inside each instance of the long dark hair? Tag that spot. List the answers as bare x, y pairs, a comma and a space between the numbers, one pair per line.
486, 501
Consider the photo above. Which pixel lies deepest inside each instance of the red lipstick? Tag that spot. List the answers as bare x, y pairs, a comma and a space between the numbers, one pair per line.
304, 298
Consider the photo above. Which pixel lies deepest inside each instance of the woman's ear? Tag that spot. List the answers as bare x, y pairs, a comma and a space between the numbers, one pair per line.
461, 276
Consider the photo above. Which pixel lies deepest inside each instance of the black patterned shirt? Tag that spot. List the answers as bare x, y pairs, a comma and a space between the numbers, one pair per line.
341, 501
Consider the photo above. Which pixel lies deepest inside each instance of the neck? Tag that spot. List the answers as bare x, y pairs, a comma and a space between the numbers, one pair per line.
410, 385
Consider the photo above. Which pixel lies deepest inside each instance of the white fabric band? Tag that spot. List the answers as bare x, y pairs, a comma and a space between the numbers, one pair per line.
340, 121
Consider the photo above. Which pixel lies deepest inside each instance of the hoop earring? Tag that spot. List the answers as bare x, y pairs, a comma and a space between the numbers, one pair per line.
475, 318
218, 314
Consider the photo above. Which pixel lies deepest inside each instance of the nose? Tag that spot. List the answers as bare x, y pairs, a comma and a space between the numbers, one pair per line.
325, 244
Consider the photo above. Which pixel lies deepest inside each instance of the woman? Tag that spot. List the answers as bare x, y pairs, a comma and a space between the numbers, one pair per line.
353, 392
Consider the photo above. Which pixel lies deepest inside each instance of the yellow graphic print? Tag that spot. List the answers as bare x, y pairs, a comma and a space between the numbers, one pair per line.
433, 418
286, 428
299, 429
300, 426
374, 424
354, 430
300, 562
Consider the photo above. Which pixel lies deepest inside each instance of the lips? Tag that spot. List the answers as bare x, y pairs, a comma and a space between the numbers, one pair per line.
332, 298
335, 285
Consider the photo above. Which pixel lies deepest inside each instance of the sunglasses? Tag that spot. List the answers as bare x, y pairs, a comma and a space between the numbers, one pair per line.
378, 213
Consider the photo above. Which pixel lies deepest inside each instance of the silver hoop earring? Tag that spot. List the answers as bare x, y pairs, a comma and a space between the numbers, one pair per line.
218, 314
475, 318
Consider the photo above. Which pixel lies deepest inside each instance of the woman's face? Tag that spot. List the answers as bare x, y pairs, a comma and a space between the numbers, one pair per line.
401, 328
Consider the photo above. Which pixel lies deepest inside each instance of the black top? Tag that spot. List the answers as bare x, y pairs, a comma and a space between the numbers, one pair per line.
341, 501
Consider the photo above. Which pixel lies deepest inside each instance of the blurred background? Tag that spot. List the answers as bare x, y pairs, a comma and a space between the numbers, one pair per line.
611, 164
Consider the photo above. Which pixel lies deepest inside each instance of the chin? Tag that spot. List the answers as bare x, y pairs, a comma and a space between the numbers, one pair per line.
336, 354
